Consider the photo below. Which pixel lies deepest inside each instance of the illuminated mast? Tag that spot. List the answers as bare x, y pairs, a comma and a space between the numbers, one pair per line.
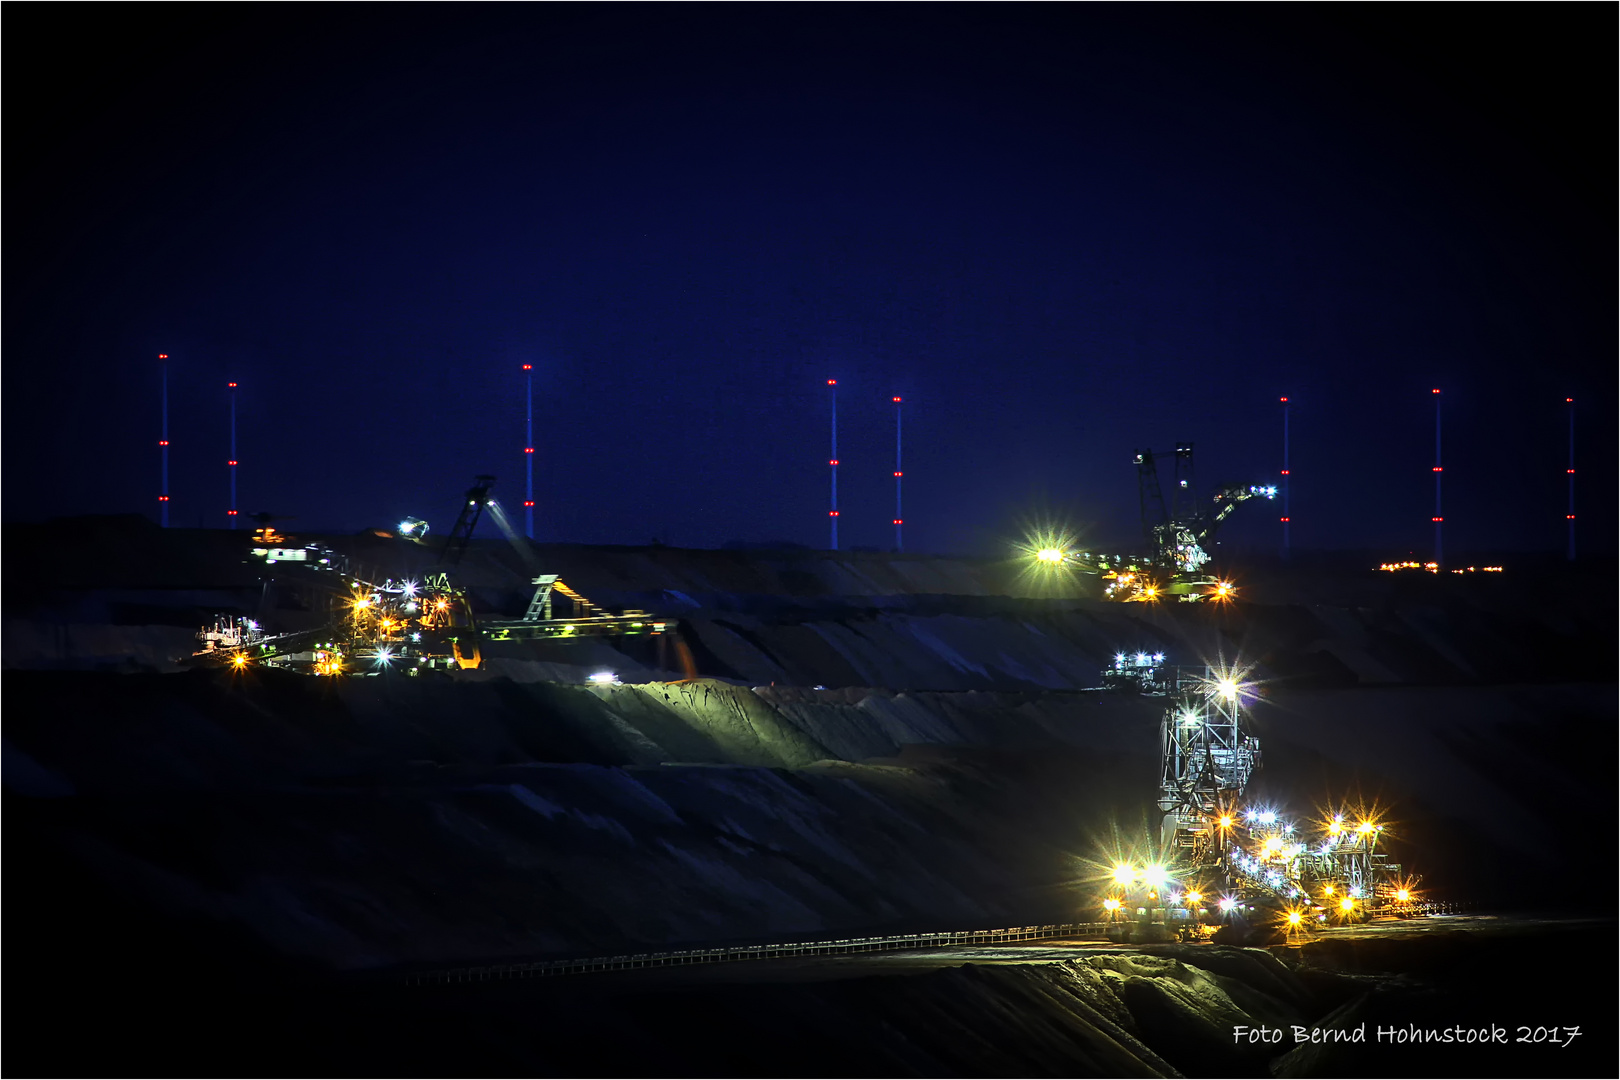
528, 451
1286, 514
163, 446
832, 464
898, 545
1569, 518
231, 513
1439, 519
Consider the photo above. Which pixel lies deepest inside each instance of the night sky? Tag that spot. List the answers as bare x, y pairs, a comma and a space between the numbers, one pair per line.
1060, 232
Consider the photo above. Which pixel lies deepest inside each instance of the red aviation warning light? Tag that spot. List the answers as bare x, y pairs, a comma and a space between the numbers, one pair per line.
231, 385
1437, 519
1438, 469
527, 503
897, 521
902, 474
528, 449
1436, 390
163, 498
832, 382
231, 463
834, 461
897, 401
163, 356
163, 442
1284, 520
232, 513
832, 513
1283, 400
528, 367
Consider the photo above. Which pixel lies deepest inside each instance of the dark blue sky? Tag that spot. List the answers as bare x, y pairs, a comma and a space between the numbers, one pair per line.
1060, 232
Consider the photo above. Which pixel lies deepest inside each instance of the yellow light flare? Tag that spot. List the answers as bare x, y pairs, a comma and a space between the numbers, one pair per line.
239, 661
1052, 563
1194, 896
1327, 890
1226, 821
1347, 904
1124, 874
441, 605
363, 602
1365, 827
1111, 904
1293, 918
1272, 844
1403, 895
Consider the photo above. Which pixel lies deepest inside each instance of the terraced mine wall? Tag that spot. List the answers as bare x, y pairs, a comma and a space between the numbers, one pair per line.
892, 758
1164, 1011
375, 822
120, 594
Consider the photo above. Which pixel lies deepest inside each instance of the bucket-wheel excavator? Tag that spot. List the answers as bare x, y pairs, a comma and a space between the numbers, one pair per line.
381, 624
1176, 539
1222, 854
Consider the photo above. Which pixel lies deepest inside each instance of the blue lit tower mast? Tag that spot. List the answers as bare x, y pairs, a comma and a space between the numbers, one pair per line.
231, 513
1439, 518
1286, 514
528, 450
1569, 517
832, 464
163, 445
898, 522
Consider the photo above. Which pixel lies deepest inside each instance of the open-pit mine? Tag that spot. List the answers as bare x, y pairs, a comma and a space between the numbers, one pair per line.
392, 803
